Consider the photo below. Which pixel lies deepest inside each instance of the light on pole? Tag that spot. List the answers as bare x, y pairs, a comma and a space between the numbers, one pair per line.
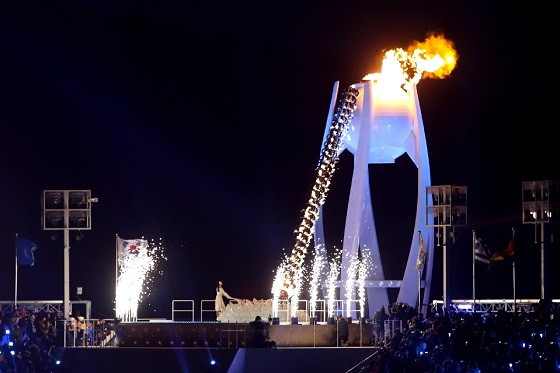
66, 210
446, 207
541, 206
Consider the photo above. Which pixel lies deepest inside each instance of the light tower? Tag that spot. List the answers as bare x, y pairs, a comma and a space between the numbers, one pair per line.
446, 207
541, 207
66, 210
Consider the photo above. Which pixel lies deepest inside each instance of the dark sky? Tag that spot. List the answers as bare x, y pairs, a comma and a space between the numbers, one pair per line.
200, 124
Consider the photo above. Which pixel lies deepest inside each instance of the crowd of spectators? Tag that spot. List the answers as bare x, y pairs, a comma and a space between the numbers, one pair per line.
444, 341
451, 340
27, 342
28, 339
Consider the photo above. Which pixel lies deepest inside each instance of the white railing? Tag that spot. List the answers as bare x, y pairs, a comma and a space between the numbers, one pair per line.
206, 311
320, 311
182, 306
283, 313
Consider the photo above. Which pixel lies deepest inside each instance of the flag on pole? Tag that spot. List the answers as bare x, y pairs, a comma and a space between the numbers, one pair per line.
25, 249
126, 248
480, 252
501, 255
422, 251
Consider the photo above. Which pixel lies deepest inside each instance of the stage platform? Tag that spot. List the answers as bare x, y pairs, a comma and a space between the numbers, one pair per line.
190, 346
234, 335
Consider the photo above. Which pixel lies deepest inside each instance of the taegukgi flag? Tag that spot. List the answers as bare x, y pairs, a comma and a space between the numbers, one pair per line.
126, 248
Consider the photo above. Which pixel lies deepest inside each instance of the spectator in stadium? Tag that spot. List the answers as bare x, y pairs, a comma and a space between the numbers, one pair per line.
342, 331
379, 325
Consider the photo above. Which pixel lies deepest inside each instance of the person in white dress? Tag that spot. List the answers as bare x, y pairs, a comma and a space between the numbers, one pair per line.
220, 305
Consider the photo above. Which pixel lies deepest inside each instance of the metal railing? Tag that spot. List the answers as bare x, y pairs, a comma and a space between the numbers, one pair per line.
86, 333
390, 328
176, 308
206, 311
321, 314
492, 305
47, 306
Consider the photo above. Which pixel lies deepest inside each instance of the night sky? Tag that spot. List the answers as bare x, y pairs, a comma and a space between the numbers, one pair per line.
199, 125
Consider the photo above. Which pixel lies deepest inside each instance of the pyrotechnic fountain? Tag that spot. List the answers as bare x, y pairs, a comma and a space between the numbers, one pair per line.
377, 120
136, 262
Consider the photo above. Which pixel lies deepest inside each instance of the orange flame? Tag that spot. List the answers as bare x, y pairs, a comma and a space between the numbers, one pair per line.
435, 57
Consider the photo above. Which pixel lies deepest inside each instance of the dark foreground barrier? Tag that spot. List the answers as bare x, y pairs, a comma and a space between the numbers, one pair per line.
198, 360
193, 346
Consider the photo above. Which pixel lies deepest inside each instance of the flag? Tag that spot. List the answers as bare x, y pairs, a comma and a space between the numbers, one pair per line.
501, 255
130, 247
25, 249
422, 251
480, 252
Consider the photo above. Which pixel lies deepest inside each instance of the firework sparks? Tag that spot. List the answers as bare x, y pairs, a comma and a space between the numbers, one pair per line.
363, 270
332, 278
317, 269
278, 292
351, 282
329, 158
138, 263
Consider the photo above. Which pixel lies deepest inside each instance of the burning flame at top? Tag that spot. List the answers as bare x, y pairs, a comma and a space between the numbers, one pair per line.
435, 57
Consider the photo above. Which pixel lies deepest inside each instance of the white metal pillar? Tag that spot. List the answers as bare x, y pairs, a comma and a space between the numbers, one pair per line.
376, 120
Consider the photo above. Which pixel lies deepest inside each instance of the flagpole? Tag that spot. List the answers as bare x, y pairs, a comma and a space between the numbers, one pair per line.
513, 272
419, 288
16, 272
473, 273
419, 276
116, 268
420, 262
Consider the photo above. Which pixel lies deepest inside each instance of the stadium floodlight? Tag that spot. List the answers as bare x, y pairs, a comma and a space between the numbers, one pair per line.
541, 206
66, 210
